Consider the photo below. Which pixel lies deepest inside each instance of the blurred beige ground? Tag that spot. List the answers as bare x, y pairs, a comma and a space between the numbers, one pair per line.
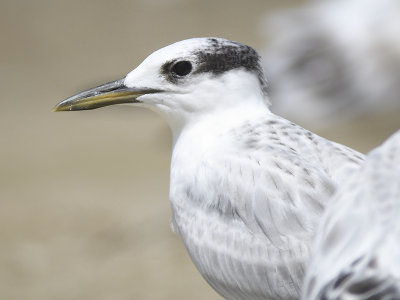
84, 196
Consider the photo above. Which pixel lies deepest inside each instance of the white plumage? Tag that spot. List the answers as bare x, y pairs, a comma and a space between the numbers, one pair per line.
357, 249
247, 187
246, 205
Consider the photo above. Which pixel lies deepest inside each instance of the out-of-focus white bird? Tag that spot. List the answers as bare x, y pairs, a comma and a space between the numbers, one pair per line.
357, 248
333, 60
247, 187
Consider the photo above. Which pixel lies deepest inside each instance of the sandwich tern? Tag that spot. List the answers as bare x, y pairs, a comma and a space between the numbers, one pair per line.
247, 187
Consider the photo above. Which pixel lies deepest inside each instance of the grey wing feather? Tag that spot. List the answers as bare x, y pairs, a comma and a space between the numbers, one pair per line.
249, 227
279, 190
289, 176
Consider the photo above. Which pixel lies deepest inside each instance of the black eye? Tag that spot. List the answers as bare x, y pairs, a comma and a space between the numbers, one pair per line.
182, 68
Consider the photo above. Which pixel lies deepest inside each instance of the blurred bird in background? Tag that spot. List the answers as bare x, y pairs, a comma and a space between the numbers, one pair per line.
332, 61
356, 253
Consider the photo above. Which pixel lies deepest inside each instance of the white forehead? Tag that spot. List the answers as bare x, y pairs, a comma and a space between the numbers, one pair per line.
180, 50
185, 49
185, 46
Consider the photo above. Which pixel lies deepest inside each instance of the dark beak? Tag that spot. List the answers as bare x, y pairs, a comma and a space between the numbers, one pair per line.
111, 93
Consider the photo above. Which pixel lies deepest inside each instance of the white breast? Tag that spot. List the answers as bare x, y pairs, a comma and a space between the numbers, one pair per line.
245, 205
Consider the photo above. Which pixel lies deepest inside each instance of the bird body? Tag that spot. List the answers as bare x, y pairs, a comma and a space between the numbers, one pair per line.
247, 187
356, 255
246, 200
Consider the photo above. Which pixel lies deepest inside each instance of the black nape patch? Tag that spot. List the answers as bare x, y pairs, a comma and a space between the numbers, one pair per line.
223, 55
226, 55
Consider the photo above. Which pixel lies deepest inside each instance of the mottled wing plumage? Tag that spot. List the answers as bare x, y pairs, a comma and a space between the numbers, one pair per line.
261, 189
292, 173
357, 248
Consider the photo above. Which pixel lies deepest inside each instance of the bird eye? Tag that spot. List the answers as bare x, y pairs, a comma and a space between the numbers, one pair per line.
182, 68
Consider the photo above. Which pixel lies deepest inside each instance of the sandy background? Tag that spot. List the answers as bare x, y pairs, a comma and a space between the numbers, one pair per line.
84, 196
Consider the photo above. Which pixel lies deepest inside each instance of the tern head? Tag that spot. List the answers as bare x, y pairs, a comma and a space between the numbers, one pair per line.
185, 80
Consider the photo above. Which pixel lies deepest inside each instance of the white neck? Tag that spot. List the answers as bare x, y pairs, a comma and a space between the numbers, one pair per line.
216, 103
219, 121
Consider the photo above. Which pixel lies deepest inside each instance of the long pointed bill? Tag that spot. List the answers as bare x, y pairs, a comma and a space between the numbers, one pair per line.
111, 93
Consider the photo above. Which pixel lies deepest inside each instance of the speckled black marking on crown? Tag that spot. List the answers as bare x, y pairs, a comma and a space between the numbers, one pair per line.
224, 55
